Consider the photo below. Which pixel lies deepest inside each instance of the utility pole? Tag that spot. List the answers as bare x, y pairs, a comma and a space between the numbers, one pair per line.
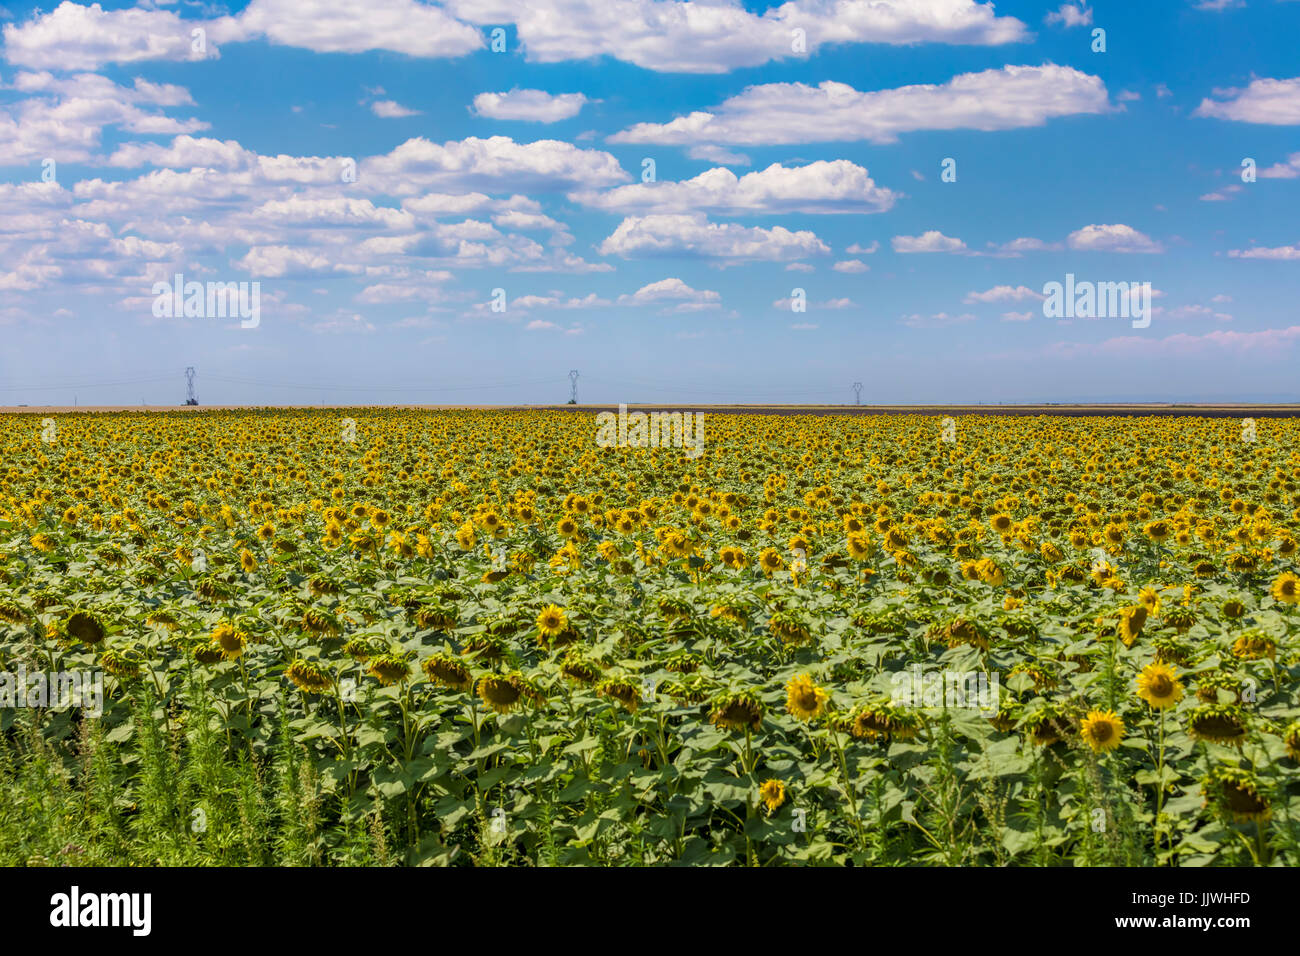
573, 386
190, 398
857, 393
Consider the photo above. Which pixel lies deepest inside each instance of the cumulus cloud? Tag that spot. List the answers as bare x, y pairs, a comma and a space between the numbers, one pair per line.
1070, 15
715, 36
1018, 247
693, 234
1012, 97
1003, 293
65, 117
931, 241
492, 165
1261, 252
672, 290
534, 106
1266, 101
838, 186
390, 109
1287, 169
1112, 238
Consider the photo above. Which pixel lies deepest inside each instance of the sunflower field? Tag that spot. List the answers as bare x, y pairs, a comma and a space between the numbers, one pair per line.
477, 638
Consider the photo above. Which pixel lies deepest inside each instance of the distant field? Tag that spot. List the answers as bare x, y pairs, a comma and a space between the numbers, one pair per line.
1208, 410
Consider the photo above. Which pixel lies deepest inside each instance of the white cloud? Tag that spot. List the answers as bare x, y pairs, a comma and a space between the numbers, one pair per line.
851, 266
838, 186
773, 113
1003, 293
715, 36
931, 241
1260, 252
858, 249
1288, 169
390, 109
494, 164
1017, 247
670, 290
337, 26
534, 106
1113, 238
1272, 102
693, 234
1071, 15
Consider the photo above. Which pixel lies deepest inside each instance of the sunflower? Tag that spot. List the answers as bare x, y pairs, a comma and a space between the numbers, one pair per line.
1253, 645
1131, 621
859, 547
1237, 793
740, 711
1286, 588
229, 639
1219, 723
85, 626
773, 794
883, 721
577, 668
804, 699
246, 560
448, 671
769, 559
621, 690
1158, 686
499, 693
388, 668
1291, 738
308, 677
1102, 730
552, 622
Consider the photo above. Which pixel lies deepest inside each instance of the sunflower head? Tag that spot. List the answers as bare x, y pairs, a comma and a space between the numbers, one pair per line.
739, 711
804, 699
621, 690
1219, 723
448, 671
499, 693
86, 626
388, 668
1158, 686
1102, 730
1236, 792
1286, 588
552, 622
773, 794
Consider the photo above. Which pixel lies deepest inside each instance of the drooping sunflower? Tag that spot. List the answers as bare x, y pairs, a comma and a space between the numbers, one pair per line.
448, 671
1158, 686
1237, 792
86, 626
739, 711
499, 693
804, 699
1102, 730
621, 690
1220, 723
308, 677
388, 668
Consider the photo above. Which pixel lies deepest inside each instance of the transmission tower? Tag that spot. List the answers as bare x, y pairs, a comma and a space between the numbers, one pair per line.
573, 386
190, 399
857, 393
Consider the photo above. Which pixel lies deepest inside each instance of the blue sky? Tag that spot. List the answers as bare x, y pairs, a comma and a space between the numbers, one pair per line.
221, 155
